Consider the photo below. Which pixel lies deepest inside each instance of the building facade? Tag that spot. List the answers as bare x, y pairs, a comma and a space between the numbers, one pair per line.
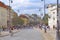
3, 17
4, 14
52, 12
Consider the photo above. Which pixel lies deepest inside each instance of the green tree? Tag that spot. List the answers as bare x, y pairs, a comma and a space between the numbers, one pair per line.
16, 20
34, 15
20, 21
45, 19
35, 19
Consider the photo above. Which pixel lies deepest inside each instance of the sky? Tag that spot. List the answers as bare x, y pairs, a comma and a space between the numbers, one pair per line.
28, 6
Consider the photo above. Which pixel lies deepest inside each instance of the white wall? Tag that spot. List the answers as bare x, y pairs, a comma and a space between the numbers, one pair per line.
52, 12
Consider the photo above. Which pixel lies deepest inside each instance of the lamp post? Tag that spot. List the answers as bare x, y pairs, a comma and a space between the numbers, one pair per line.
57, 16
9, 13
58, 22
44, 6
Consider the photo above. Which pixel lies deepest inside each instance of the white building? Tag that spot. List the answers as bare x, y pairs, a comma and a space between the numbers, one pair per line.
52, 12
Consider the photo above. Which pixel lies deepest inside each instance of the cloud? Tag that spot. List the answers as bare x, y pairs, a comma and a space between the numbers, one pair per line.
35, 1
5, 1
27, 6
31, 11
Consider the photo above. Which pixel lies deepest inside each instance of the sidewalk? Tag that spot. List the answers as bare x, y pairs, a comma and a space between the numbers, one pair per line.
50, 35
6, 33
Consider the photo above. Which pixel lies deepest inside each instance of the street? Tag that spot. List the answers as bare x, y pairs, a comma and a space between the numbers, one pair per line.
25, 34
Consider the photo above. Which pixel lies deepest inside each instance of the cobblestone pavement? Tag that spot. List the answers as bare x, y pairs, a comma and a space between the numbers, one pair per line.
25, 34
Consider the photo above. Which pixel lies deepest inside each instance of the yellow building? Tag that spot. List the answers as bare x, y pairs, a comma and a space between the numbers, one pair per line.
25, 18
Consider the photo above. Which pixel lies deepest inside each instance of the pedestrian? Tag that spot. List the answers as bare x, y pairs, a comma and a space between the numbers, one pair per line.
3, 28
11, 31
40, 26
53, 26
48, 27
45, 29
0, 29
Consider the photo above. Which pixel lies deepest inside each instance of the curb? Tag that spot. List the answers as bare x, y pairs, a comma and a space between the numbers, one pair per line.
8, 34
4, 35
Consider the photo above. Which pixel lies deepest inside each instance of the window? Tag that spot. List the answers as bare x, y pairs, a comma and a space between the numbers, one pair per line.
53, 26
53, 18
53, 12
49, 15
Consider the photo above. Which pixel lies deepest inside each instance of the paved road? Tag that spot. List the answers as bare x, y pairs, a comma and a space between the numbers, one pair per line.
25, 34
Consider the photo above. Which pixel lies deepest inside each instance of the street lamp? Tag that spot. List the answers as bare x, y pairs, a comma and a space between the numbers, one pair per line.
57, 16
44, 6
58, 22
10, 20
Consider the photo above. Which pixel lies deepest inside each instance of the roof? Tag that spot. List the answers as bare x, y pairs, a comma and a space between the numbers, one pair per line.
24, 16
3, 5
51, 5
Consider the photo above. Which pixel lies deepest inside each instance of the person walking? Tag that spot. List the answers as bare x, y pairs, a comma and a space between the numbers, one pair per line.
48, 27
11, 31
40, 26
45, 29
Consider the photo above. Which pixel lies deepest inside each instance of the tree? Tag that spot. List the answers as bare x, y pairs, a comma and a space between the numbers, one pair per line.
20, 21
45, 19
16, 20
34, 15
34, 19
